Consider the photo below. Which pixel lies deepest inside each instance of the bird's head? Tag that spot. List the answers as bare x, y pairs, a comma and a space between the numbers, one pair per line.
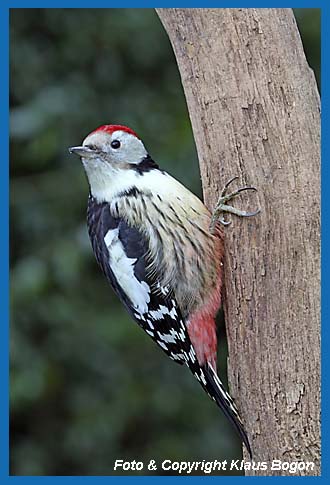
114, 145
111, 151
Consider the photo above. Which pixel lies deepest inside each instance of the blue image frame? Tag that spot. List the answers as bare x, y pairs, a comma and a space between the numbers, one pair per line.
5, 6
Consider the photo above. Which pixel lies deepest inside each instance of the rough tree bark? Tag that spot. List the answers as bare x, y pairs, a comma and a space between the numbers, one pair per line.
254, 108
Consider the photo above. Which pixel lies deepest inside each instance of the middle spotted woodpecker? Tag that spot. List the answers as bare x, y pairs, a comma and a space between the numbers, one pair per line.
161, 250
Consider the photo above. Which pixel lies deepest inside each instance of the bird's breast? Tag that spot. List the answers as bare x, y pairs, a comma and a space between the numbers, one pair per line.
182, 251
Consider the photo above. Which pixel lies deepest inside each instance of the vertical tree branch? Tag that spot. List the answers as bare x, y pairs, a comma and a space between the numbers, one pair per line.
254, 109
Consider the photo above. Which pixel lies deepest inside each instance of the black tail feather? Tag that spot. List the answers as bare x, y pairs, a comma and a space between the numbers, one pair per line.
217, 392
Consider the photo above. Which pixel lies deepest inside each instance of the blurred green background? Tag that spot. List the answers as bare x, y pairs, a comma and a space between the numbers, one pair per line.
87, 385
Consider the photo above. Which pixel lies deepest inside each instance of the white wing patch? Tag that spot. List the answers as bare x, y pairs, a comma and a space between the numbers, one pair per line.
123, 269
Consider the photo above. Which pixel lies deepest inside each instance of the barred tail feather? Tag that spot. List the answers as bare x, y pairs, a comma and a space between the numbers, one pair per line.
217, 392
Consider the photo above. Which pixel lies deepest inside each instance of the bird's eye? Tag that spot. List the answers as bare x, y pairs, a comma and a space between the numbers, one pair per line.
115, 144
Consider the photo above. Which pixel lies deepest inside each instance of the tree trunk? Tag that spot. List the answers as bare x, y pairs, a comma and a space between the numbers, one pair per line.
254, 108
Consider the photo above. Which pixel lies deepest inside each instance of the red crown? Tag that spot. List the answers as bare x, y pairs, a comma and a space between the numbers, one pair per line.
111, 128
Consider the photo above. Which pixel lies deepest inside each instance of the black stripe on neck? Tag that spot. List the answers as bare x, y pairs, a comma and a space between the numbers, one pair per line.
146, 164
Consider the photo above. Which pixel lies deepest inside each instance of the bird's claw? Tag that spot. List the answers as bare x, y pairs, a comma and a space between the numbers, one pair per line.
224, 190
224, 222
222, 207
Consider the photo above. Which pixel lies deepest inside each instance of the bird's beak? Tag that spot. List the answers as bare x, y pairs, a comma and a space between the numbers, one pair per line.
81, 151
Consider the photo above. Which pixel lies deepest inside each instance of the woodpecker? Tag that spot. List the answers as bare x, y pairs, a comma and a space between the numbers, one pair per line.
161, 250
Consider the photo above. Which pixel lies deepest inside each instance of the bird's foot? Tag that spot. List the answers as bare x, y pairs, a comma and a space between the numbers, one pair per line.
221, 206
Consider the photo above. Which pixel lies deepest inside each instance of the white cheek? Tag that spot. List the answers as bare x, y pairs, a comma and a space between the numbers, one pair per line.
98, 165
131, 150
